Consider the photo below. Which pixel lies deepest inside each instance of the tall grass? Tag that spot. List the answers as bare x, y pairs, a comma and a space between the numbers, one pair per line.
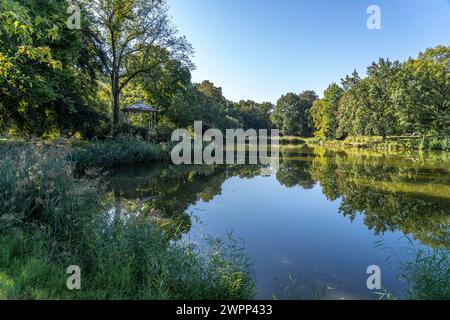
51, 220
427, 274
37, 187
426, 271
121, 150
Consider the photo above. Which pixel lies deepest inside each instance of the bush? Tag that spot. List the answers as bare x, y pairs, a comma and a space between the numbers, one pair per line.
121, 150
51, 220
435, 144
164, 131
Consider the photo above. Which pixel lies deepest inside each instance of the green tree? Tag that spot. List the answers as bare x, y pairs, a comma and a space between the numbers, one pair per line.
324, 112
47, 72
307, 99
423, 92
292, 114
166, 87
352, 119
380, 104
332, 96
317, 116
367, 106
131, 33
255, 115
213, 108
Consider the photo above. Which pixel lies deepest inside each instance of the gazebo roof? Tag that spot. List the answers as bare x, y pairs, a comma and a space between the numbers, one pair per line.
140, 107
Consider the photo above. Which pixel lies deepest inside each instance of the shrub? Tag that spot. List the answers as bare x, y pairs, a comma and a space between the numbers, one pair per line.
446, 143
164, 131
121, 150
435, 144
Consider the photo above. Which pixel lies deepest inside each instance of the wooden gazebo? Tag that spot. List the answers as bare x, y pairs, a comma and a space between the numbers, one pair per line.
141, 108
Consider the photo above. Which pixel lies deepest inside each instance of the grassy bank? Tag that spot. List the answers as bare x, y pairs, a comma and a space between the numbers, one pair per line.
83, 154
391, 143
120, 151
50, 220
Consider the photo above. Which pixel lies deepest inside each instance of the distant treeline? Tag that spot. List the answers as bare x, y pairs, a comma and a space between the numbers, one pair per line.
57, 81
394, 99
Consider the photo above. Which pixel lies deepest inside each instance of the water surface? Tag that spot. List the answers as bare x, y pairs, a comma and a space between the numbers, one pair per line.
312, 227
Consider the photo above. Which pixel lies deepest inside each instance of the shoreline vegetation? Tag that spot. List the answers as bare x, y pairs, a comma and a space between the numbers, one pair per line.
403, 143
394, 143
52, 219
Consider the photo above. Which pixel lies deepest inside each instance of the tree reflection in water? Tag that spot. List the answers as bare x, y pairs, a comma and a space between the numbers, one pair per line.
407, 193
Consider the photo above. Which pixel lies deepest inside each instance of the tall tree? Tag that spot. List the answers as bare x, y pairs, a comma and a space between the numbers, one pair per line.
332, 97
324, 112
291, 114
423, 92
307, 99
255, 115
317, 116
131, 31
379, 103
349, 105
368, 106
166, 87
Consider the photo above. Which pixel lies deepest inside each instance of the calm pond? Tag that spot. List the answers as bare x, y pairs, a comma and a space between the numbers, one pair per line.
313, 227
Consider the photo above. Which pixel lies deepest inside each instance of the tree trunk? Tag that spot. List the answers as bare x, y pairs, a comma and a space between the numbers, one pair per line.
115, 120
383, 133
116, 104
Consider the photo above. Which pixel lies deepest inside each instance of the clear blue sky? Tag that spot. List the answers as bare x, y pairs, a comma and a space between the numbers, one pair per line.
261, 49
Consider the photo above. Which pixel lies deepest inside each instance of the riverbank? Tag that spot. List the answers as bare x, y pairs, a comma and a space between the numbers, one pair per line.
53, 219
377, 143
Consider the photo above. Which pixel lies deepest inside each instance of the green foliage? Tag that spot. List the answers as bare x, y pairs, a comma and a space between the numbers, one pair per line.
46, 70
255, 115
51, 220
292, 114
317, 114
138, 39
435, 143
398, 99
426, 272
168, 87
392, 143
213, 108
324, 112
394, 99
56, 81
38, 186
367, 107
423, 92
